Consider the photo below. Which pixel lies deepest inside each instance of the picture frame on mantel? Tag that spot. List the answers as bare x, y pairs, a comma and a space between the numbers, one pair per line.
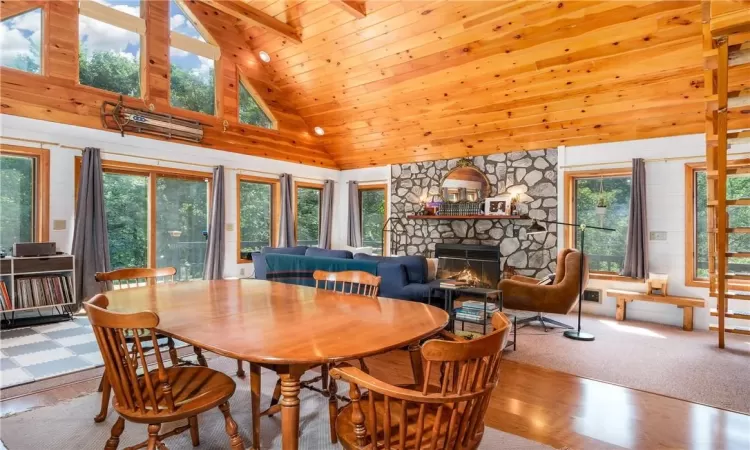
497, 206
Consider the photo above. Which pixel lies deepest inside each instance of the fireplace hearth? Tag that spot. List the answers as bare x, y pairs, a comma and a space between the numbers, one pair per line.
479, 265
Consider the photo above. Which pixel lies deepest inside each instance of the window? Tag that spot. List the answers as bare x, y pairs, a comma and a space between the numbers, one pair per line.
696, 216
257, 214
21, 41
109, 57
24, 195
192, 56
252, 111
307, 213
605, 249
372, 201
156, 217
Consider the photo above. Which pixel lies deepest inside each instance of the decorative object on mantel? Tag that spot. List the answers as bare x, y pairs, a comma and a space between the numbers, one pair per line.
498, 206
117, 116
537, 228
463, 189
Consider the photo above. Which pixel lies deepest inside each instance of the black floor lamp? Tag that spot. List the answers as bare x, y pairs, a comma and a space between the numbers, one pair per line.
537, 228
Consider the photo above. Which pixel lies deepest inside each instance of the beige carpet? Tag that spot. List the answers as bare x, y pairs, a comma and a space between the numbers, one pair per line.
646, 356
70, 425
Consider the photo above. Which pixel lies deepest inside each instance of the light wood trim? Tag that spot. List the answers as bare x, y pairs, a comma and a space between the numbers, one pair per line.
303, 184
12, 9
245, 81
192, 45
253, 16
275, 210
112, 16
690, 244
569, 211
41, 196
356, 8
376, 187
187, 12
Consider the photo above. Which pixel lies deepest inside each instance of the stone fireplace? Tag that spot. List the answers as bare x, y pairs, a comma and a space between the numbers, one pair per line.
531, 174
481, 261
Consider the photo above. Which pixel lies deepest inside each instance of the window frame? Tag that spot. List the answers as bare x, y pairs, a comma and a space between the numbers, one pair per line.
569, 211
691, 169
42, 192
275, 210
243, 81
209, 49
153, 173
374, 187
304, 184
119, 19
43, 42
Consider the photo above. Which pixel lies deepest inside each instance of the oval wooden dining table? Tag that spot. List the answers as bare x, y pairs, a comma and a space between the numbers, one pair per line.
286, 327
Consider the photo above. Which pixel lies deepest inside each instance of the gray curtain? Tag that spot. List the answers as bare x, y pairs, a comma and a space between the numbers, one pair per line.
354, 230
286, 218
326, 214
636, 250
90, 240
213, 263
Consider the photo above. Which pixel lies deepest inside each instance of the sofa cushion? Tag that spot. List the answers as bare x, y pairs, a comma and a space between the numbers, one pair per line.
298, 250
325, 253
416, 265
416, 291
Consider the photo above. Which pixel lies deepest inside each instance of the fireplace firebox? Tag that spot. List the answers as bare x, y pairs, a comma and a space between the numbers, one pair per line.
479, 263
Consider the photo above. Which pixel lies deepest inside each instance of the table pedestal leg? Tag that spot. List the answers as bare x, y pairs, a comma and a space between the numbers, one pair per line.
290, 410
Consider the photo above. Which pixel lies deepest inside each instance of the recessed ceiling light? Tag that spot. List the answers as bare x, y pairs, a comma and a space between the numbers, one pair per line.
265, 57
319, 131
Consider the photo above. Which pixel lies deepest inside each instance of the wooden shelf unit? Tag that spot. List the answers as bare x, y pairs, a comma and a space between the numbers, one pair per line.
474, 217
13, 269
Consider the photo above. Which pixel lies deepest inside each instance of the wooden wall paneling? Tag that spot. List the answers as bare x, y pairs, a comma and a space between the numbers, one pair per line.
155, 67
356, 8
63, 41
247, 13
10, 8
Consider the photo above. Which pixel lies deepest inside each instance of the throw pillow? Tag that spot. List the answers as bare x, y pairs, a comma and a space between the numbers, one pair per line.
432, 268
546, 281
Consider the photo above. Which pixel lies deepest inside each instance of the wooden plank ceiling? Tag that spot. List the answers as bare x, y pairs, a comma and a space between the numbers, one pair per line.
421, 80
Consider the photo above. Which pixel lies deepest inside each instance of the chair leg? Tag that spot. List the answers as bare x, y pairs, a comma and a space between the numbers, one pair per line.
101, 383
276, 394
255, 378
324, 379
240, 370
153, 436
556, 323
172, 352
235, 441
199, 355
333, 409
363, 365
106, 390
114, 438
194, 433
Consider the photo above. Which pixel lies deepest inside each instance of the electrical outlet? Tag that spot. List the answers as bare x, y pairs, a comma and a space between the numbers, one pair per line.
592, 295
657, 236
59, 224
229, 227
242, 271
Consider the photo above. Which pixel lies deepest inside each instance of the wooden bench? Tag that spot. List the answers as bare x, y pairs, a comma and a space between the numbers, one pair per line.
686, 303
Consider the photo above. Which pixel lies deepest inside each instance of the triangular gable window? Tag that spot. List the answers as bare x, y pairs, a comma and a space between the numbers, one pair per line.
179, 22
251, 111
21, 41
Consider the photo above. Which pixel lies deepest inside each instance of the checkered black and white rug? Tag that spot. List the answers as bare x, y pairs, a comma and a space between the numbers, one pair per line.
35, 353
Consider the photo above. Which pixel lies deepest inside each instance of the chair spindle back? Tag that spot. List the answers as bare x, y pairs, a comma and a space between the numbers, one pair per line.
149, 394
351, 282
136, 277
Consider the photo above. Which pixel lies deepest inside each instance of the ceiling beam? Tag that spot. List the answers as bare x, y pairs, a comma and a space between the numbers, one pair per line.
253, 16
356, 8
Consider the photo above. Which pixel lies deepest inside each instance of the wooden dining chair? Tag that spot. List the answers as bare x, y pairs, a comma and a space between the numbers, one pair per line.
162, 395
445, 412
131, 278
347, 283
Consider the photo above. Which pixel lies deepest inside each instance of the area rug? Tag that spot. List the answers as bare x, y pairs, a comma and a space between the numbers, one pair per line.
70, 424
661, 359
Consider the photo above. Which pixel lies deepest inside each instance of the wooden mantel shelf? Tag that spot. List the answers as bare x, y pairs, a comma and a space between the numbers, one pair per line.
474, 217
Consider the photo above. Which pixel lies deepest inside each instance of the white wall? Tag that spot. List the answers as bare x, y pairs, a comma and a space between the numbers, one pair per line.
370, 175
62, 173
665, 188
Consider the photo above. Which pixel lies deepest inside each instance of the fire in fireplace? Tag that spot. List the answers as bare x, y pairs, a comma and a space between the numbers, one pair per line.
478, 265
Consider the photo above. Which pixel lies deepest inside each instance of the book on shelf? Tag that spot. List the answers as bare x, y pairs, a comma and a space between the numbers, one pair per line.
474, 305
470, 316
5, 302
452, 284
48, 290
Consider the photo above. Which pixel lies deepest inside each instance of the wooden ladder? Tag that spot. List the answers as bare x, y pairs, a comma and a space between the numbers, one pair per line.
726, 44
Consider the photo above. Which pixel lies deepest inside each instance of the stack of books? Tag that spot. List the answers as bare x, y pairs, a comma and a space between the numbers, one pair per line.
44, 291
473, 310
453, 284
5, 302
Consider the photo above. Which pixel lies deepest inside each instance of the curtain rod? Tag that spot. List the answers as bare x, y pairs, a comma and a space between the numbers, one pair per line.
649, 160
158, 160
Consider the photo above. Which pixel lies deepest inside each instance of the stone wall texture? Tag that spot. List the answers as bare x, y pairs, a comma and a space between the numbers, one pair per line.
533, 174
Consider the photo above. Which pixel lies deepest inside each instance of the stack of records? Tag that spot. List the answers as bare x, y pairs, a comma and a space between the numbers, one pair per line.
473, 310
44, 291
5, 302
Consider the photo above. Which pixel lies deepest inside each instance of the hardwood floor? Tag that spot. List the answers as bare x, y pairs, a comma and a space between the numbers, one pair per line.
551, 407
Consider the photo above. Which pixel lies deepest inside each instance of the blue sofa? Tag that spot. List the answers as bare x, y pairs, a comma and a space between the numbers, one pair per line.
403, 277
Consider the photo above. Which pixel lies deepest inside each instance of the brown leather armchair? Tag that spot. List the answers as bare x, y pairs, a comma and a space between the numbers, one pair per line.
524, 293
